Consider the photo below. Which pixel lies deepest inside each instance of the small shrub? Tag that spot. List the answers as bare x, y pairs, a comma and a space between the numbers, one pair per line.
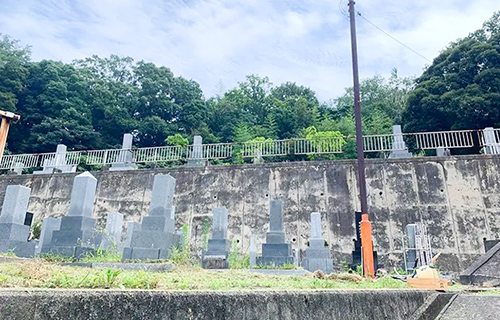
237, 261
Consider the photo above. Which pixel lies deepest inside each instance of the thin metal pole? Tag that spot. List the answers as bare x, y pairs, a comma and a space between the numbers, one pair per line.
365, 224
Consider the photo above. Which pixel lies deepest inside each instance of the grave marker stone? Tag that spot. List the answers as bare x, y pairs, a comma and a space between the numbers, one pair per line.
196, 158
125, 158
253, 252
399, 149
58, 163
76, 235
217, 254
49, 225
276, 251
490, 141
317, 255
111, 240
14, 233
156, 234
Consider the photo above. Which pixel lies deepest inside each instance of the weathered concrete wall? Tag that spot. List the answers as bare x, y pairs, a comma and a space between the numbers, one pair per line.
457, 197
312, 305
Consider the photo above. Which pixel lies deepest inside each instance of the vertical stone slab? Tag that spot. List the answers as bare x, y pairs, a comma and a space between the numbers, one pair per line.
216, 256
83, 195
196, 158
276, 216
125, 158
111, 240
399, 149
13, 232
15, 205
317, 255
77, 236
253, 252
49, 225
276, 251
156, 234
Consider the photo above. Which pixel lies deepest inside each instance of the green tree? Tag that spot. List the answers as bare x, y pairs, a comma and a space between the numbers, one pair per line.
461, 89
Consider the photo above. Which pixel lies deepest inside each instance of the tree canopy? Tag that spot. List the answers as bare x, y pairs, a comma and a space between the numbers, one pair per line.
461, 89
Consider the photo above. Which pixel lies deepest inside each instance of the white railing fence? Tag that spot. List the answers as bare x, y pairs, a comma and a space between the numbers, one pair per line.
487, 139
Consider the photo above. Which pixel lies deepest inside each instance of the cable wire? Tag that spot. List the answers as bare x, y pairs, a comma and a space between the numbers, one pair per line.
401, 43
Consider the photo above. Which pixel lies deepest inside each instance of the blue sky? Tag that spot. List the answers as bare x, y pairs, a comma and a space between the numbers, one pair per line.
219, 41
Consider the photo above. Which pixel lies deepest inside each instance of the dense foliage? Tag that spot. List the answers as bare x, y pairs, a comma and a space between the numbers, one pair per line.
91, 103
461, 89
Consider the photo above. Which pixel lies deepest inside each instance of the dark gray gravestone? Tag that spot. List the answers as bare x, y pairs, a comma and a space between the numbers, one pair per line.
276, 251
76, 235
49, 225
156, 235
485, 270
216, 257
317, 255
13, 232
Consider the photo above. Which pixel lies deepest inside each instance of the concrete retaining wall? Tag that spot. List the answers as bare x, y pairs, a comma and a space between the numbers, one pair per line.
100, 304
457, 197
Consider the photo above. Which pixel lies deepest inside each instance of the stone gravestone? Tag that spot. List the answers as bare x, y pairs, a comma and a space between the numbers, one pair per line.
317, 255
253, 252
196, 158
399, 149
49, 225
217, 254
125, 158
276, 251
14, 233
111, 240
491, 146
156, 235
58, 163
77, 236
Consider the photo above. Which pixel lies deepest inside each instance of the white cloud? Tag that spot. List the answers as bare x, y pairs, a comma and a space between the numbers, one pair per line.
220, 40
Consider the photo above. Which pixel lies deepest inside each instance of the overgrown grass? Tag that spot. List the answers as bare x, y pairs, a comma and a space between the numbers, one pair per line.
182, 255
38, 273
102, 256
236, 260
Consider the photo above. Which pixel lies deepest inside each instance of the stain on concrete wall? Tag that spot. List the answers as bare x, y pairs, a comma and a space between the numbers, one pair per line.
458, 198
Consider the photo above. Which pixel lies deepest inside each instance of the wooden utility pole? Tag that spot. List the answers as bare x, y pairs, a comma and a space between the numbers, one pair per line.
4, 128
365, 225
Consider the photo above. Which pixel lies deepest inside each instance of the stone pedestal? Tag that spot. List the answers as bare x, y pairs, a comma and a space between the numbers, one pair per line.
125, 158
156, 235
276, 251
14, 233
317, 255
217, 254
49, 225
76, 236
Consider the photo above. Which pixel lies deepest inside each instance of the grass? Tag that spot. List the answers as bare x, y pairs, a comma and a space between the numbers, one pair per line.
38, 273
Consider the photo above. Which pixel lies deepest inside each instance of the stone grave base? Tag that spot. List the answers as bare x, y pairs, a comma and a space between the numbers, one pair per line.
144, 254
76, 252
215, 262
325, 265
23, 249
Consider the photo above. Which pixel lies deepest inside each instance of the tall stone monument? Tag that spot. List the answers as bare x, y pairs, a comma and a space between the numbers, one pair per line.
77, 236
156, 235
317, 255
58, 163
125, 158
399, 149
276, 251
14, 233
217, 254
111, 239
196, 158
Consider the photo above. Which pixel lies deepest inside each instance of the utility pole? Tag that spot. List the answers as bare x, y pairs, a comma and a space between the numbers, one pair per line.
4, 128
365, 225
